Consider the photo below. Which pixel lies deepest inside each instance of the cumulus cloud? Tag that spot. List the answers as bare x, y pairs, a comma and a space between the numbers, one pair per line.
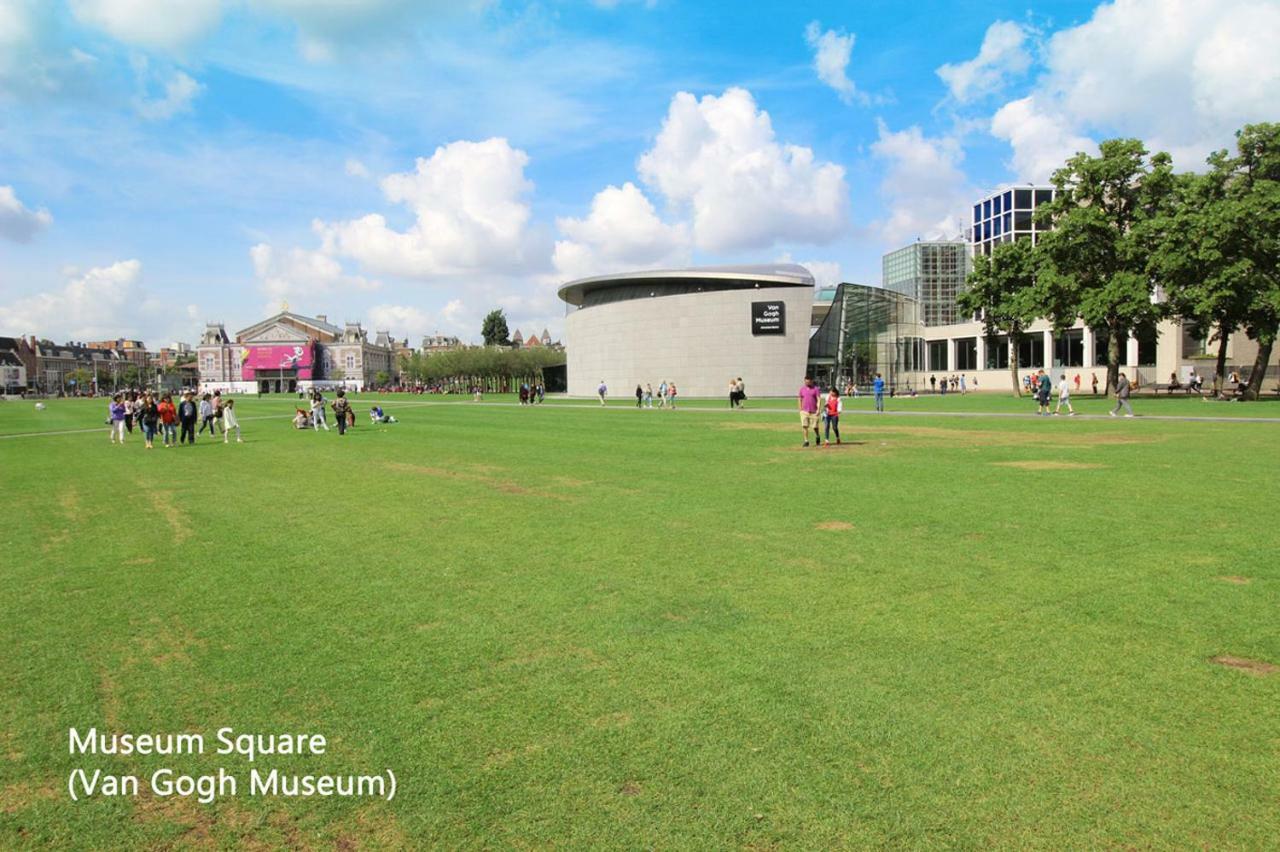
179, 91
1181, 74
413, 322
1003, 55
169, 25
99, 303
297, 272
18, 223
469, 209
1042, 139
622, 231
718, 160
924, 190
831, 52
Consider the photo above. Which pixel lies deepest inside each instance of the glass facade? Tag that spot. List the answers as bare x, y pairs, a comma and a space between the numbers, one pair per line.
1007, 216
932, 273
869, 330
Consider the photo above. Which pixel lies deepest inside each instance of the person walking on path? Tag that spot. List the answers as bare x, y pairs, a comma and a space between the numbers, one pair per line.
964, 387
168, 421
149, 415
742, 392
877, 388
733, 393
1077, 382
808, 403
115, 414
648, 396
1093, 380
671, 395
206, 415
639, 397
340, 409
188, 412
602, 391
218, 407
1122, 396
1044, 389
317, 412
834, 405
229, 422
662, 394
1064, 396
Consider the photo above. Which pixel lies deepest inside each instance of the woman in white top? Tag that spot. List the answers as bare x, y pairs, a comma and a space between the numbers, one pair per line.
229, 421
1064, 397
317, 413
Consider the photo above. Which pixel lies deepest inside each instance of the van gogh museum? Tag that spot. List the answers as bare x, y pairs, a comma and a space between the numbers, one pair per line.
771, 325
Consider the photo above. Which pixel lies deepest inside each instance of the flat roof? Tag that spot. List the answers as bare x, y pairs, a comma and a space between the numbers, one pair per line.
783, 274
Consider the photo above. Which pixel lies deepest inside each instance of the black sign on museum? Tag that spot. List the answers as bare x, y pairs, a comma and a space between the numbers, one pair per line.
768, 318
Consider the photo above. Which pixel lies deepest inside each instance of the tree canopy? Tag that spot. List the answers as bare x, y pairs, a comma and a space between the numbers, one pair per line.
494, 330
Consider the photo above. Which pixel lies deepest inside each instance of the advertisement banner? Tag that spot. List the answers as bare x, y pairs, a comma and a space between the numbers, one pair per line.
273, 358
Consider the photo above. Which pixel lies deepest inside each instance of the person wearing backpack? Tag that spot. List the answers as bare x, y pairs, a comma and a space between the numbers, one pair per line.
340, 409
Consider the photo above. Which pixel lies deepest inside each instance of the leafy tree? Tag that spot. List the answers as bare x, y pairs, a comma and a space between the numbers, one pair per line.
1255, 193
1002, 288
494, 330
1098, 250
382, 378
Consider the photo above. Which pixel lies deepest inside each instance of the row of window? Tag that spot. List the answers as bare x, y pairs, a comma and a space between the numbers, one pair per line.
1068, 351
1009, 201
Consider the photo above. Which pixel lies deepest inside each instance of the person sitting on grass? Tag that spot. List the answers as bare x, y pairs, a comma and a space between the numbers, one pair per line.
301, 420
377, 415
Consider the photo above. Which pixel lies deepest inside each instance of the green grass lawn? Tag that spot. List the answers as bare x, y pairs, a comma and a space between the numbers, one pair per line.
566, 627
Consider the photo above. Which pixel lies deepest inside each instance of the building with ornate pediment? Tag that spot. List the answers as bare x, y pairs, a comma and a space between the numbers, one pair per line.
289, 352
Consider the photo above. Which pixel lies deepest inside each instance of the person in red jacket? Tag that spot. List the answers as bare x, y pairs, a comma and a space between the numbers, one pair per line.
833, 405
168, 420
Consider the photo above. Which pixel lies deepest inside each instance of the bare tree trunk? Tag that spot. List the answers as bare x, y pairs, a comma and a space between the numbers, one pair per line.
1220, 370
1265, 344
1014, 337
1115, 340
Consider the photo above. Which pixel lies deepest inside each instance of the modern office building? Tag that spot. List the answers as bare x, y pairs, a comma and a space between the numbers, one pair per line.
1008, 215
696, 327
931, 272
868, 330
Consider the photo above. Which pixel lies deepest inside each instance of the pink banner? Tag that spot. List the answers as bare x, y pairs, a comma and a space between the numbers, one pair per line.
282, 357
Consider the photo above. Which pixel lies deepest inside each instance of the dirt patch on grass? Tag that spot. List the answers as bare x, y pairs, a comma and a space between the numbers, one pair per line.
612, 720
630, 788
479, 474
671, 616
1049, 465
166, 504
1257, 668
833, 525
1236, 580
25, 794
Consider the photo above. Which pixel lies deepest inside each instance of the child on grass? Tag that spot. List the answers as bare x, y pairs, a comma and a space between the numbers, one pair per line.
230, 422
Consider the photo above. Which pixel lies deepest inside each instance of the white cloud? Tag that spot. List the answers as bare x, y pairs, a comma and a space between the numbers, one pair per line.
717, 158
179, 91
1042, 140
622, 231
18, 223
402, 321
1003, 54
298, 273
831, 52
99, 303
826, 273
923, 188
357, 169
470, 213
1183, 75
169, 25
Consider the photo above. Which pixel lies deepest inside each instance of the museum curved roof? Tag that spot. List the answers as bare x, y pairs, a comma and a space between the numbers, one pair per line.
776, 274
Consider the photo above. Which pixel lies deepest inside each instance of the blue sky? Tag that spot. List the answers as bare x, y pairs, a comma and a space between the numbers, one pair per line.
414, 164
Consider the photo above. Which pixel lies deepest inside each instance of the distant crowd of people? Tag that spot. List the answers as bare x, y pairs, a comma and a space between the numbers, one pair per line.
645, 394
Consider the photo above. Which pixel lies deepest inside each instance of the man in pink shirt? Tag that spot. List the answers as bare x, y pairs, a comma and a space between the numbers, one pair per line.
809, 419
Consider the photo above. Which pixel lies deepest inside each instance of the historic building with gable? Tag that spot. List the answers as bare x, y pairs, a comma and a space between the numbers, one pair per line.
290, 352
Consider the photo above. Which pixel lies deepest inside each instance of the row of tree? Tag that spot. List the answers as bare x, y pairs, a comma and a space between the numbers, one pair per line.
1133, 242
491, 367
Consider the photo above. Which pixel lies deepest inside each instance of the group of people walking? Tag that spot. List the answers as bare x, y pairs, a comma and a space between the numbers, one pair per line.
156, 414
645, 395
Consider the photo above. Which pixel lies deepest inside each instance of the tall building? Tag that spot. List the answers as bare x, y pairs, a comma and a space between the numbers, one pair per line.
1007, 215
932, 273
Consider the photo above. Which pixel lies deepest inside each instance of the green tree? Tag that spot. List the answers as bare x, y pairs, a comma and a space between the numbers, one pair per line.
382, 378
494, 330
1195, 256
1002, 288
1098, 249
1255, 193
